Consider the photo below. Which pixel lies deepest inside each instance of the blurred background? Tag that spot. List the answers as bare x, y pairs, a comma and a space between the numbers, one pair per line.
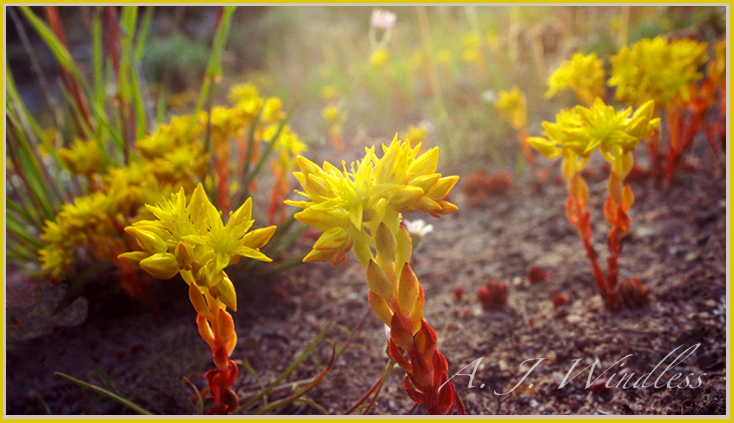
436, 69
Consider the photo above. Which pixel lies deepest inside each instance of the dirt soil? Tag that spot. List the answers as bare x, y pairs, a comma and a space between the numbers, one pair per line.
677, 248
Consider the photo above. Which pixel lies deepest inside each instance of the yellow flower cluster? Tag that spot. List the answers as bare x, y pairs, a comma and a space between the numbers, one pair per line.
415, 134
171, 158
512, 106
83, 158
581, 130
88, 228
657, 69
191, 239
349, 206
584, 74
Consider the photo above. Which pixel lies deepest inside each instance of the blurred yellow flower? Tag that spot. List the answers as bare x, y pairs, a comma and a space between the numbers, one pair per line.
511, 106
379, 57
584, 74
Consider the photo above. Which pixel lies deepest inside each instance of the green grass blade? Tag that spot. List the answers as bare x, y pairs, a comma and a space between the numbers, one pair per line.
143, 33
99, 77
290, 369
19, 230
124, 401
271, 144
139, 104
65, 59
15, 102
214, 65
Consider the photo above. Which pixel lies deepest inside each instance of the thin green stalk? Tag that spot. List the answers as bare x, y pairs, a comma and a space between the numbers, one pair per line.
143, 33
18, 112
272, 406
263, 158
290, 369
16, 228
26, 169
88, 134
198, 395
35, 65
20, 252
124, 401
214, 66
65, 60
388, 368
248, 155
315, 405
22, 212
246, 363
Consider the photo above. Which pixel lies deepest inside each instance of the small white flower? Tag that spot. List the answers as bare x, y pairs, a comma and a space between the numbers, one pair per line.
417, 229
382, 19
489, 96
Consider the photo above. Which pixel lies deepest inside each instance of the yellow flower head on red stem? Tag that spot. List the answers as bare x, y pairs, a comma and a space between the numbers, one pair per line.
348, 205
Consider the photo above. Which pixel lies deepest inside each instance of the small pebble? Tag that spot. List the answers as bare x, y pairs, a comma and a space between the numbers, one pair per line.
573, 319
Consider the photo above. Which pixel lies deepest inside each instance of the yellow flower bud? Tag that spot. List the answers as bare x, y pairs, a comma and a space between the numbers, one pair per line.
133, 258
425, 182
160, 265
426, 164
184, 255
403, 198
147, 240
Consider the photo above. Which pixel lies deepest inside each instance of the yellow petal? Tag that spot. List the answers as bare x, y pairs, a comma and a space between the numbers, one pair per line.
258, 237
426, 164
544, 146
442, 187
